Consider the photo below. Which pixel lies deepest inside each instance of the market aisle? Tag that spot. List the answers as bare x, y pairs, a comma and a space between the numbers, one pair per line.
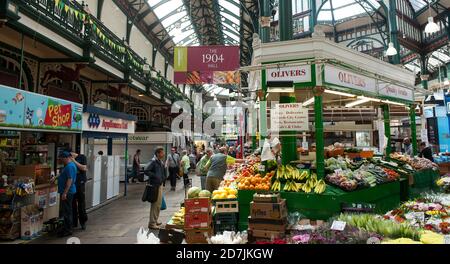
119, 221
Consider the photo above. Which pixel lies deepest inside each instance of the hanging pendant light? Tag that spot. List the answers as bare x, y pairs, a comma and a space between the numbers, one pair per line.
391, 51
431, 27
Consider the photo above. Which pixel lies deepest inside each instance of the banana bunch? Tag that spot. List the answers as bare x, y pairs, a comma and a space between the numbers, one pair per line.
306, 188
276, 186
280, 172
291, 186
320, 187
178, 217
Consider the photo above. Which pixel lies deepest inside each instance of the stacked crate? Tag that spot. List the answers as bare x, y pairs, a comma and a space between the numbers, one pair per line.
226, 215
197, 220
268, 217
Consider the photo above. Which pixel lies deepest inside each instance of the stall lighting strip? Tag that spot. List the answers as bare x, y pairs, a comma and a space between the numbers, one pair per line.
308, 102
339, 93
394, 103
355, 103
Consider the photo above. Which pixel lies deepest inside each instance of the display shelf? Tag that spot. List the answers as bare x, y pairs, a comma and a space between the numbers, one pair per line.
321, 207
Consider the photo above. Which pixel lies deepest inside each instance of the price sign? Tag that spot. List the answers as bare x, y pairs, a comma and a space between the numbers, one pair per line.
262, 168
338, 225
447, 239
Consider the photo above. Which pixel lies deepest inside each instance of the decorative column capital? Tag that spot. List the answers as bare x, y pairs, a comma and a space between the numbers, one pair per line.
265, 21
318, 90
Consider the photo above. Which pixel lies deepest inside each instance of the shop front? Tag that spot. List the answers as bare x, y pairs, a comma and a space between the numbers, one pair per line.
33, 129
105, 165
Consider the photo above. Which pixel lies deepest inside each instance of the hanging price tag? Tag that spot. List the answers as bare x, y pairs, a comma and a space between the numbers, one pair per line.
338, 225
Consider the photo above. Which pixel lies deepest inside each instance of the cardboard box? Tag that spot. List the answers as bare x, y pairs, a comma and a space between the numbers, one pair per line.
199, 220
267, 234
52, 210
197, 205
267, 198
270, 225
268, 210
198, 236
231, 206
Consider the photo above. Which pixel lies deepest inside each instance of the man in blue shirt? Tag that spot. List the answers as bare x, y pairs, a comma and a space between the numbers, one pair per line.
67, 189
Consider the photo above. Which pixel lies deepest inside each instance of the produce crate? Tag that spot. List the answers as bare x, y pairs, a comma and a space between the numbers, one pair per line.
199, 220
275, 198
197, 205
198, 236
171, 225
271, 225
265, 234
225, 227
366, 154
169, 236
226, 206
226, 218
268, 210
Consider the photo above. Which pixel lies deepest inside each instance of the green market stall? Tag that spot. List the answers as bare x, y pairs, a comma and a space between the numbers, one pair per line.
321, 71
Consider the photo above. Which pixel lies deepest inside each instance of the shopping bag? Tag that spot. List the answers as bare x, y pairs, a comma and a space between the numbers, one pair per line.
163, 204
150, 194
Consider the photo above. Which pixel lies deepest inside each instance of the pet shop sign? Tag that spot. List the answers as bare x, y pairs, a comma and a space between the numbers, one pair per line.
22, 109
58, 115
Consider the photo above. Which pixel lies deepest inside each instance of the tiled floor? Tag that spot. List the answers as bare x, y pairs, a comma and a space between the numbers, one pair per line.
119, 221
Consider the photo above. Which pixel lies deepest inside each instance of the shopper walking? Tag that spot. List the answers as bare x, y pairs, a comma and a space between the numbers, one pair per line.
136, 166
79, 199
156, 172
66, 189
201, 169
217, 167
185, 165
173, 163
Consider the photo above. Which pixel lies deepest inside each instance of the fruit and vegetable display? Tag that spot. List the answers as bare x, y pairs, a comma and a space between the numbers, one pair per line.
224, 193
255, 182
416, 163
178, 217
290, 179
376, 224
367, 174
196, 192
444, 183
427, 213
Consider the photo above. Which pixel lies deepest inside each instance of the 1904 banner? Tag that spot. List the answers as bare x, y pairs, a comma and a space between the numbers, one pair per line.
206, 64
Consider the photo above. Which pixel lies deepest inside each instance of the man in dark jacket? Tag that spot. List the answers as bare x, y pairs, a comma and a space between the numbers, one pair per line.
79, 199
156, 172
426, 152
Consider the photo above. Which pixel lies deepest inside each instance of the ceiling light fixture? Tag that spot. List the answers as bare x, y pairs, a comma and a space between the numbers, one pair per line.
369, 99
391, 51
339, 93
393, 103
431, 27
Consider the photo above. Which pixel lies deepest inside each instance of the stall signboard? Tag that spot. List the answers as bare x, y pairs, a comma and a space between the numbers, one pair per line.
98, 123
22, 109
297, 74
348, 79
206, 65
395, 91
289, 117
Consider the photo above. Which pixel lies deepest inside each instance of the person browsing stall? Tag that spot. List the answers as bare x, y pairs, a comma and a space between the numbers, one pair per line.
67, 190
201, 169
426, 152
79, 199
217, 167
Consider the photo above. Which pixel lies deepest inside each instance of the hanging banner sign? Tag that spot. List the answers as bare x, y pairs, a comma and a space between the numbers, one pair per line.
395, 91
21, 109
99, 123
206, 64
289, 117
297, 74
344, 78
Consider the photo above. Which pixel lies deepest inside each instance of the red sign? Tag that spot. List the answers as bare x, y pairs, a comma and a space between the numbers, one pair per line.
206, 64
213, 58
107, 124
58, 115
